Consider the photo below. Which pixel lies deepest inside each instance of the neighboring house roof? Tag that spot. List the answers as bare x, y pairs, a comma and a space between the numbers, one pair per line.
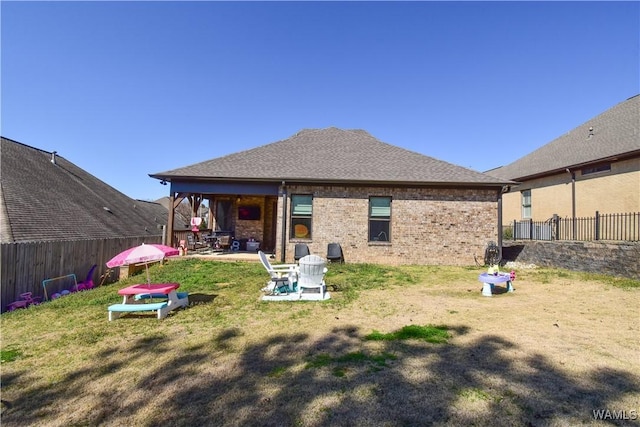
611, 135
331, 155
42, 201
179, 220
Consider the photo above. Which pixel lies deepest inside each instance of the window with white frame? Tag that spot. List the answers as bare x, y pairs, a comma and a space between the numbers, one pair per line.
526, 204
380, 219
301, 215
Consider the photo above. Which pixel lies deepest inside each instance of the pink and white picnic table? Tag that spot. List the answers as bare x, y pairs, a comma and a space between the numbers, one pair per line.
134, 296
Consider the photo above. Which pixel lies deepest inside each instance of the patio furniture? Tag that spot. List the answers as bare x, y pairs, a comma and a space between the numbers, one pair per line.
194, 244
149, 290
300, 251
311, 285
334, 253
224, 242
283, 276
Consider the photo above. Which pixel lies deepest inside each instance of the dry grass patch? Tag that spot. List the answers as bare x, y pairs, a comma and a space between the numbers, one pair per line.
562, 345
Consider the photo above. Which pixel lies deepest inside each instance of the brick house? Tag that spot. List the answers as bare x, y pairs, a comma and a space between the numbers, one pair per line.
594, 167
382, 203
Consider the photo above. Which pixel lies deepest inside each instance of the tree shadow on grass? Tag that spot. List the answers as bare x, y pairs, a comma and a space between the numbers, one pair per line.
198, 298
337, 379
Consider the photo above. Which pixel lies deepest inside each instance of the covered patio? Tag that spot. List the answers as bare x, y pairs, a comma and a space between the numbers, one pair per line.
247, 212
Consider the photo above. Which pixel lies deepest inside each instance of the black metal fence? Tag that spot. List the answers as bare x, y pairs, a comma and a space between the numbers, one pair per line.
618, 227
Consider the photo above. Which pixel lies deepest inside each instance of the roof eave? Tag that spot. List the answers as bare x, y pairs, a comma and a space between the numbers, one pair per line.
563, 169
303, 181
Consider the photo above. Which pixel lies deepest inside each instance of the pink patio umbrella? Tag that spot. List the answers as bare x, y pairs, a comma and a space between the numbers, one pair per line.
145, 253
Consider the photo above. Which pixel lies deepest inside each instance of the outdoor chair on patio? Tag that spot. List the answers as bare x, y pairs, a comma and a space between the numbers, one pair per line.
334, 253
300, 251
224, 243
283, 276
311, 273
193, 244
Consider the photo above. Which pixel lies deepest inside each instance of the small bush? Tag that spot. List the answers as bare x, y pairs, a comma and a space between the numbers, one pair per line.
507, 233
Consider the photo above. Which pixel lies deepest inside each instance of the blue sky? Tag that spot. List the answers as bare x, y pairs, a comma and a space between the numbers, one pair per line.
125, 89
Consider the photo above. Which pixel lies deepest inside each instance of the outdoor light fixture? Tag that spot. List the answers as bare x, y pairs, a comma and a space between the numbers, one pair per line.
163, 182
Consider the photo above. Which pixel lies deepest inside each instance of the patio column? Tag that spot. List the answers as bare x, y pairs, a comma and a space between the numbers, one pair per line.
170, 219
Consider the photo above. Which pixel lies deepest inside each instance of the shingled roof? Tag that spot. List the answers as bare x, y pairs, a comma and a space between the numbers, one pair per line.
331, 155
611, 135
41, 201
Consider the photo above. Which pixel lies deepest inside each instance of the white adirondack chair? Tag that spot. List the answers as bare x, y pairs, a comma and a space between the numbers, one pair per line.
281, 274
311, 271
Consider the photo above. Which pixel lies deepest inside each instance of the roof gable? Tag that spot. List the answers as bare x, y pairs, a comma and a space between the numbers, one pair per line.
331, 155
611, 134
42, 200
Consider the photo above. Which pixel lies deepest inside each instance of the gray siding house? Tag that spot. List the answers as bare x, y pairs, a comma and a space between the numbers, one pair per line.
381, 203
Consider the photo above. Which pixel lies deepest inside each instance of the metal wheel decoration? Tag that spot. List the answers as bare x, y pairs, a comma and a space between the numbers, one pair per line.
492, 254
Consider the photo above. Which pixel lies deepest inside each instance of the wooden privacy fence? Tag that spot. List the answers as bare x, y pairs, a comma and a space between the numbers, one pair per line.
24, 265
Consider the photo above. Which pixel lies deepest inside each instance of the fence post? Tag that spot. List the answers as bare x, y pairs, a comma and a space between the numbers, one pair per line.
531, 229
597, 225
556, 227
514, 229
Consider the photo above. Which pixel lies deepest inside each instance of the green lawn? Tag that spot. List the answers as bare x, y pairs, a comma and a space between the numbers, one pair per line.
393, 346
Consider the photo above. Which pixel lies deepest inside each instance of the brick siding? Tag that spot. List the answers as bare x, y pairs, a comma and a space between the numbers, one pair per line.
429, 226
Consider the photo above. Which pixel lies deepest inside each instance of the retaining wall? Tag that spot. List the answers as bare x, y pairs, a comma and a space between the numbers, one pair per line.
612, 258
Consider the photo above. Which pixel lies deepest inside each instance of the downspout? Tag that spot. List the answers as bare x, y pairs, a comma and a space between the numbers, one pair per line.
504, 189
573, 203
283, 252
